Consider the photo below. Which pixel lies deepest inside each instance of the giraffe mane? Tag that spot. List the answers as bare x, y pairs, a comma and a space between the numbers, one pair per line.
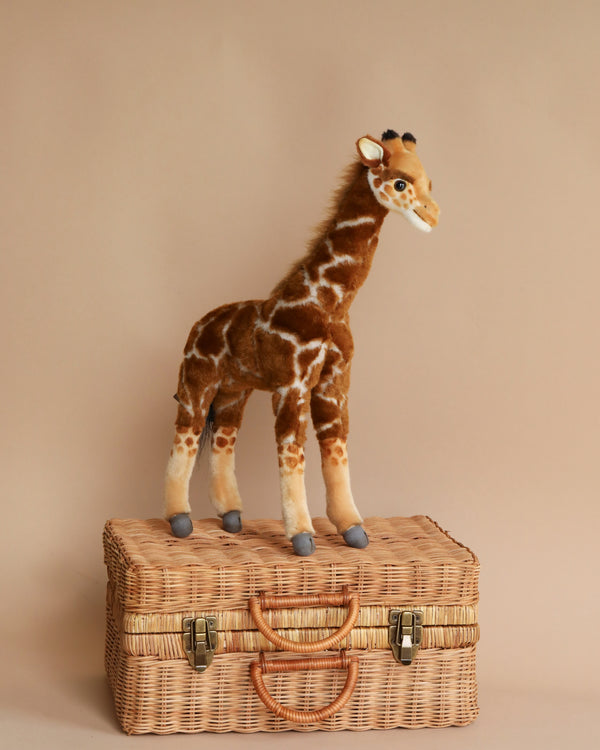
348, 177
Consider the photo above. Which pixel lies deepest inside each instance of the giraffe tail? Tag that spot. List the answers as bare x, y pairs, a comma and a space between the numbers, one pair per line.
208, 429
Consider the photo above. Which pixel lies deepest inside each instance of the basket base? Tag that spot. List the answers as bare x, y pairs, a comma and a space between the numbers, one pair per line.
166, 696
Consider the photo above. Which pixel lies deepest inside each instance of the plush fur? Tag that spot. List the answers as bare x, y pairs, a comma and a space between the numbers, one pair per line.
298, 345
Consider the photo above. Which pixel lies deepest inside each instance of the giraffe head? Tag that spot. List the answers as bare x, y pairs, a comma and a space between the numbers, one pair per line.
397, 177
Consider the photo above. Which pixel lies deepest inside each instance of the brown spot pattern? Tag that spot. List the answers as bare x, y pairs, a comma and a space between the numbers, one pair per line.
239, 335
277, 357
342, 274
327, 297
323, 411
210, 340
342, 338
351, 240
304, 321
295, 289
289, 420
306, 358
291, 457
320, 256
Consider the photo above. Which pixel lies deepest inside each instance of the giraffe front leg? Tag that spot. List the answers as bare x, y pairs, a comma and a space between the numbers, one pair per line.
341, 508
329, 408
291, 410
223, 487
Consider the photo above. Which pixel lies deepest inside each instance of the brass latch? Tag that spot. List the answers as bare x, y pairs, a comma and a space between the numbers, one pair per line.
200, 641
406, 634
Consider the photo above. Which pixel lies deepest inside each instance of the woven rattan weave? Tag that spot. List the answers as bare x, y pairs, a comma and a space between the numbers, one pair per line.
339, 594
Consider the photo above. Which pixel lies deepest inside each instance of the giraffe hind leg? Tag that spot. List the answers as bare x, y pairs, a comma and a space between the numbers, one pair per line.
191, 420
223, 488
179, 471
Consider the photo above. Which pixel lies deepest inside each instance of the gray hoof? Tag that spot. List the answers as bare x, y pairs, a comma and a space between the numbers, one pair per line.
181, 525
356, 537
232, 522
304, 544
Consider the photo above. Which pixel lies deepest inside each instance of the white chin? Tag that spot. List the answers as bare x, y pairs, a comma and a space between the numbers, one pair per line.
417, 221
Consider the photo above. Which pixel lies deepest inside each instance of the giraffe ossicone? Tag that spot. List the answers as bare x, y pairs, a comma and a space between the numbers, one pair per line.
297, 344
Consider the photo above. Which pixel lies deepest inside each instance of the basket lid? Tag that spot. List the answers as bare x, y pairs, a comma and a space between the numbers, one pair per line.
407, 560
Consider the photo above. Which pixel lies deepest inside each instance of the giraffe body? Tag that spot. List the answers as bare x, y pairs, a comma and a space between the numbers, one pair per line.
298, 345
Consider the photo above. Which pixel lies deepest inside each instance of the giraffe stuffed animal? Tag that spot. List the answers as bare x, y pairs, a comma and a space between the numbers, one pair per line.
298, 345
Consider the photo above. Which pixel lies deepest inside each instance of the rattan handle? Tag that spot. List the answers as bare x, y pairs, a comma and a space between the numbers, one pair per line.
341, 661
256, 605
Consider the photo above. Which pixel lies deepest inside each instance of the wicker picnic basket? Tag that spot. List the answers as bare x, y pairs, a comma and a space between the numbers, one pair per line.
220, 632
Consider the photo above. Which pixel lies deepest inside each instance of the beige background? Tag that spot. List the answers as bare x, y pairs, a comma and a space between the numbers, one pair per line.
161, 158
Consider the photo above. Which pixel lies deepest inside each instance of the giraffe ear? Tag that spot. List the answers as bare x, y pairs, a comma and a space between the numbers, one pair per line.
372, 152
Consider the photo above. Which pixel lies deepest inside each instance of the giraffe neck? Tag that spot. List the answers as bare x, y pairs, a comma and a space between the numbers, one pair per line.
340, 258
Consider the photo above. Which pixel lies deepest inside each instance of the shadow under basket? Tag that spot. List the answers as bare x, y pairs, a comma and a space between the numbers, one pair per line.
219, 632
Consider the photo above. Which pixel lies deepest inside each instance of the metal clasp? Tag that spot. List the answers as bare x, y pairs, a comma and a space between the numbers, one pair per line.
406, 634
200, 641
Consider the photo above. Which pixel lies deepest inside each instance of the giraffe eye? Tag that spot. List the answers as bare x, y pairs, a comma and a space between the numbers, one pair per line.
399, 185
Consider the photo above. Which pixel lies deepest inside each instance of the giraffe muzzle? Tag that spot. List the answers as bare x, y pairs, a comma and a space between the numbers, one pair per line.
429, 213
